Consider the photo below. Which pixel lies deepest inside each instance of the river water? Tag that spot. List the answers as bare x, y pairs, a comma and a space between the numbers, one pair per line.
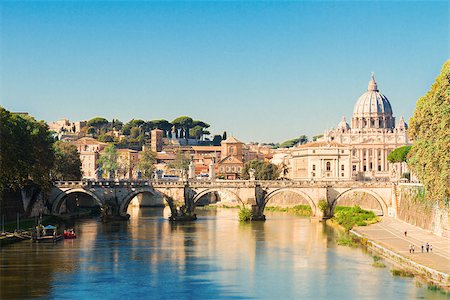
215, 257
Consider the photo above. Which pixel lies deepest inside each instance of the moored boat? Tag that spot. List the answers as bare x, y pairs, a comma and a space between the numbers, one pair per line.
70, 234
47, 234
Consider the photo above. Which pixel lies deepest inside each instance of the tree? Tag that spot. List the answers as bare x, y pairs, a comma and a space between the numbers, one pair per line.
67, 165
399, 155
429, 127
316, 137
108, 161
263, 170
181, 161
224, 136
303, 139
217, 139
146, 163
162, 124
183, 123
26, 153
135, 132
98, 123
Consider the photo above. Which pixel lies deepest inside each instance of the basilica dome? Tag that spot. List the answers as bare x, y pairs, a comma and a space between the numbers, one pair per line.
372, 110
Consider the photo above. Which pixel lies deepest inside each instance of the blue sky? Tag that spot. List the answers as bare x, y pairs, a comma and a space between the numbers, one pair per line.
262, 71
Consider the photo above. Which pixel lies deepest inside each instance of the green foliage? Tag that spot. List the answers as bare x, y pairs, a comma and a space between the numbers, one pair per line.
303, 139
105, 138
181, 161
245, 214
316, 137
108, 161
348, 240
224, 136
97, 122
184, 123
217, 139
348, 217
146, 163
67, 165
430, 129
26, 152
299, 210
378, 264
263, 170
135, 132
323, 205
399, 155
401, 273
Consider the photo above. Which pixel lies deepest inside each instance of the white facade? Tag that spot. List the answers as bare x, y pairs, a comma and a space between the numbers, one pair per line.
373, 134
321, 161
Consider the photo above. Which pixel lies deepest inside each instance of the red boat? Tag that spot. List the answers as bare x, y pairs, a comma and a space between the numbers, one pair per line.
70, 234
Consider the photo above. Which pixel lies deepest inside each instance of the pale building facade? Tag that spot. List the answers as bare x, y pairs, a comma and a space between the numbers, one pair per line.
373, 134
89, 149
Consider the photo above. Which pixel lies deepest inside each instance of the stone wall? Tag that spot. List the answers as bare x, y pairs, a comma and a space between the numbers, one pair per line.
414, 209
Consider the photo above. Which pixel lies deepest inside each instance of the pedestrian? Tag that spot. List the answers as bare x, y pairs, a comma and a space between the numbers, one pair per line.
410, 248
405, 233
413, 248
428, 247
422, 248
431, 248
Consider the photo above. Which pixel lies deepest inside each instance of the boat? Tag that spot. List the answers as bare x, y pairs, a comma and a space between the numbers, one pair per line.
47, 234
70, 234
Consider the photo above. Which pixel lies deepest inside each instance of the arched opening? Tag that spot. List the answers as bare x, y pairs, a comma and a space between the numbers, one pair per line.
78, 203
217, 197
285, 198
367, 200
145, 198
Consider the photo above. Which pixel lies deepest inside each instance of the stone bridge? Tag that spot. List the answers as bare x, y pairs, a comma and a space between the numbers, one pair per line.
257, 194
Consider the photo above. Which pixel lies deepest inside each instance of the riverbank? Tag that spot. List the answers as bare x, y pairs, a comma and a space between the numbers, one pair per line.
388, 239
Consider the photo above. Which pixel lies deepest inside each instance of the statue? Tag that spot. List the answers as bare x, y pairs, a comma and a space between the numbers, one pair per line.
99, 173
251, 173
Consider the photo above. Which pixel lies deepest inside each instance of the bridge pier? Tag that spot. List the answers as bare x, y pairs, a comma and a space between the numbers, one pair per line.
186, 211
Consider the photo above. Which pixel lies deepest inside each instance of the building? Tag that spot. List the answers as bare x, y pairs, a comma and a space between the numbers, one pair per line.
127, 160
156, 138
89, 149
232, 159
65, 126
324, 161
373, 134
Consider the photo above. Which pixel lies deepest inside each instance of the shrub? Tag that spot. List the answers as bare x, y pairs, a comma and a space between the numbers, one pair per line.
245, 214
323, 206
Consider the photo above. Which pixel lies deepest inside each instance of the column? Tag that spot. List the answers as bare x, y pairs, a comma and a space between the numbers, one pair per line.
375, 165
367, 160
361, 159
383, 158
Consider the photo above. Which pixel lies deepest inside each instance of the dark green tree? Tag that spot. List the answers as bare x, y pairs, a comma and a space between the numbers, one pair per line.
181, 161
184, 124
224, 136
98, 123
67, 165
399, 154
217, 139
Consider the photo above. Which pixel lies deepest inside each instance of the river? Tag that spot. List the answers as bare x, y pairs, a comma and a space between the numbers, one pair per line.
215, 257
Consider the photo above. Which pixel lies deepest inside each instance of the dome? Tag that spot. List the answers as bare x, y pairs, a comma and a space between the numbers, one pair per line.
372, 102
373, 110
343, 125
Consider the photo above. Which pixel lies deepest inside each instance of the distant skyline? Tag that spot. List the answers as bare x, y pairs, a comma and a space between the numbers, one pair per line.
262, 71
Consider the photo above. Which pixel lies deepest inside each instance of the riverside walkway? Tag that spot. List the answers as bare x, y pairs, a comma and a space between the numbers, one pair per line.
390, 233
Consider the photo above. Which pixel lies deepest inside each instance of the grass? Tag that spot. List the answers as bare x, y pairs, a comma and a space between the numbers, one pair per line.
346, 239
378, 264
245, 214
401, 273
300, 210
348, 217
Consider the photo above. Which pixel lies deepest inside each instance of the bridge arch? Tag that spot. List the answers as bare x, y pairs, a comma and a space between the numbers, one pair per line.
56, 206
311, 203
127, 199
212, 190
383, 205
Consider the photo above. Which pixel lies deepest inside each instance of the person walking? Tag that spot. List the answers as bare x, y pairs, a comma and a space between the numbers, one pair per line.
405, 233
410, 248
422, 248
428, 247
413, 248
431, 248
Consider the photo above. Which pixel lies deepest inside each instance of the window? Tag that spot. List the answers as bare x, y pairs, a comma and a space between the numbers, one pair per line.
365, 169
342, 167
239, 169
371, 166
228, 169
232, 169
221, 169
314, 151
314, 167
314, 174
328, 166
354, 168
342, 174
379, 168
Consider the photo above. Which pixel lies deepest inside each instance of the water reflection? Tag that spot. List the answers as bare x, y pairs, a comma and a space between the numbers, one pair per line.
214, 257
